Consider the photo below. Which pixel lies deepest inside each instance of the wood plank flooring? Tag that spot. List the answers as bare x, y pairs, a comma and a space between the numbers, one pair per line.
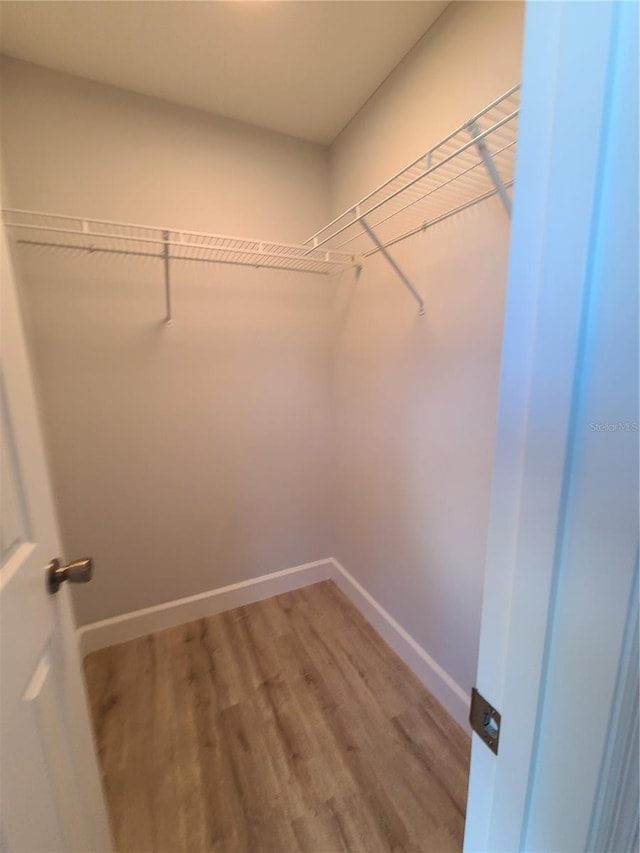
285, 725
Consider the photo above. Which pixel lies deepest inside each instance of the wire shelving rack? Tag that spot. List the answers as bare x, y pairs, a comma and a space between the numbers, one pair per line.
169, 245
473, 163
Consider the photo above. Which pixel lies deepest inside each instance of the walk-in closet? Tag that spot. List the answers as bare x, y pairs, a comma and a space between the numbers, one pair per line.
261, 254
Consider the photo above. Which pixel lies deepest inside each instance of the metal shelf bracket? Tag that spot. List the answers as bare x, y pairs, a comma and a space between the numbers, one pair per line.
167, 278
490, 166
403, 278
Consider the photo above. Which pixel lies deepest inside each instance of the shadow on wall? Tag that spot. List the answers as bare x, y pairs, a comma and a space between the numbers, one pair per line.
415, 403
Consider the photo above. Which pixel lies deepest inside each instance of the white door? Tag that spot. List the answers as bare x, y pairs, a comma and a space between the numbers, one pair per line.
51, 794
559, 642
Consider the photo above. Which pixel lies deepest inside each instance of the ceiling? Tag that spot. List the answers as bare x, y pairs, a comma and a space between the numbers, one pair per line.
301, 68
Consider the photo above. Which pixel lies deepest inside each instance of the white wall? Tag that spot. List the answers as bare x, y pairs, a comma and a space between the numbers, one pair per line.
469, 57
183, 459
416, 397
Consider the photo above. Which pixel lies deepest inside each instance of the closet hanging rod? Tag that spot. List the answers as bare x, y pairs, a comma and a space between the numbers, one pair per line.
90, 249
157, 255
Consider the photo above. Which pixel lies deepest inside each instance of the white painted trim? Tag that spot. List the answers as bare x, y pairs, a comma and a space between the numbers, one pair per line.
430, 673
128, 626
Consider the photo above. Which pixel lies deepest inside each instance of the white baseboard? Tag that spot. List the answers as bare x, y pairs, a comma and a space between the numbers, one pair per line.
119, 629
431, 674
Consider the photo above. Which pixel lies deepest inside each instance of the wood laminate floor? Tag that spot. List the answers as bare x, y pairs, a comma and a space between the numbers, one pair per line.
285, 725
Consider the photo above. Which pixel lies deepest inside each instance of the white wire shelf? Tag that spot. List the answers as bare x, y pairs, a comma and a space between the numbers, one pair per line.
169, 244
474, 162
76, 234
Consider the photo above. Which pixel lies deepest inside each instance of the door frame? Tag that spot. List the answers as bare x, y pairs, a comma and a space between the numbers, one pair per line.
568, 63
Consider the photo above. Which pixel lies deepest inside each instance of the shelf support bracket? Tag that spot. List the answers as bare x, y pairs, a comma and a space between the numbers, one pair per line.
393, 264
167, 280
490, 166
